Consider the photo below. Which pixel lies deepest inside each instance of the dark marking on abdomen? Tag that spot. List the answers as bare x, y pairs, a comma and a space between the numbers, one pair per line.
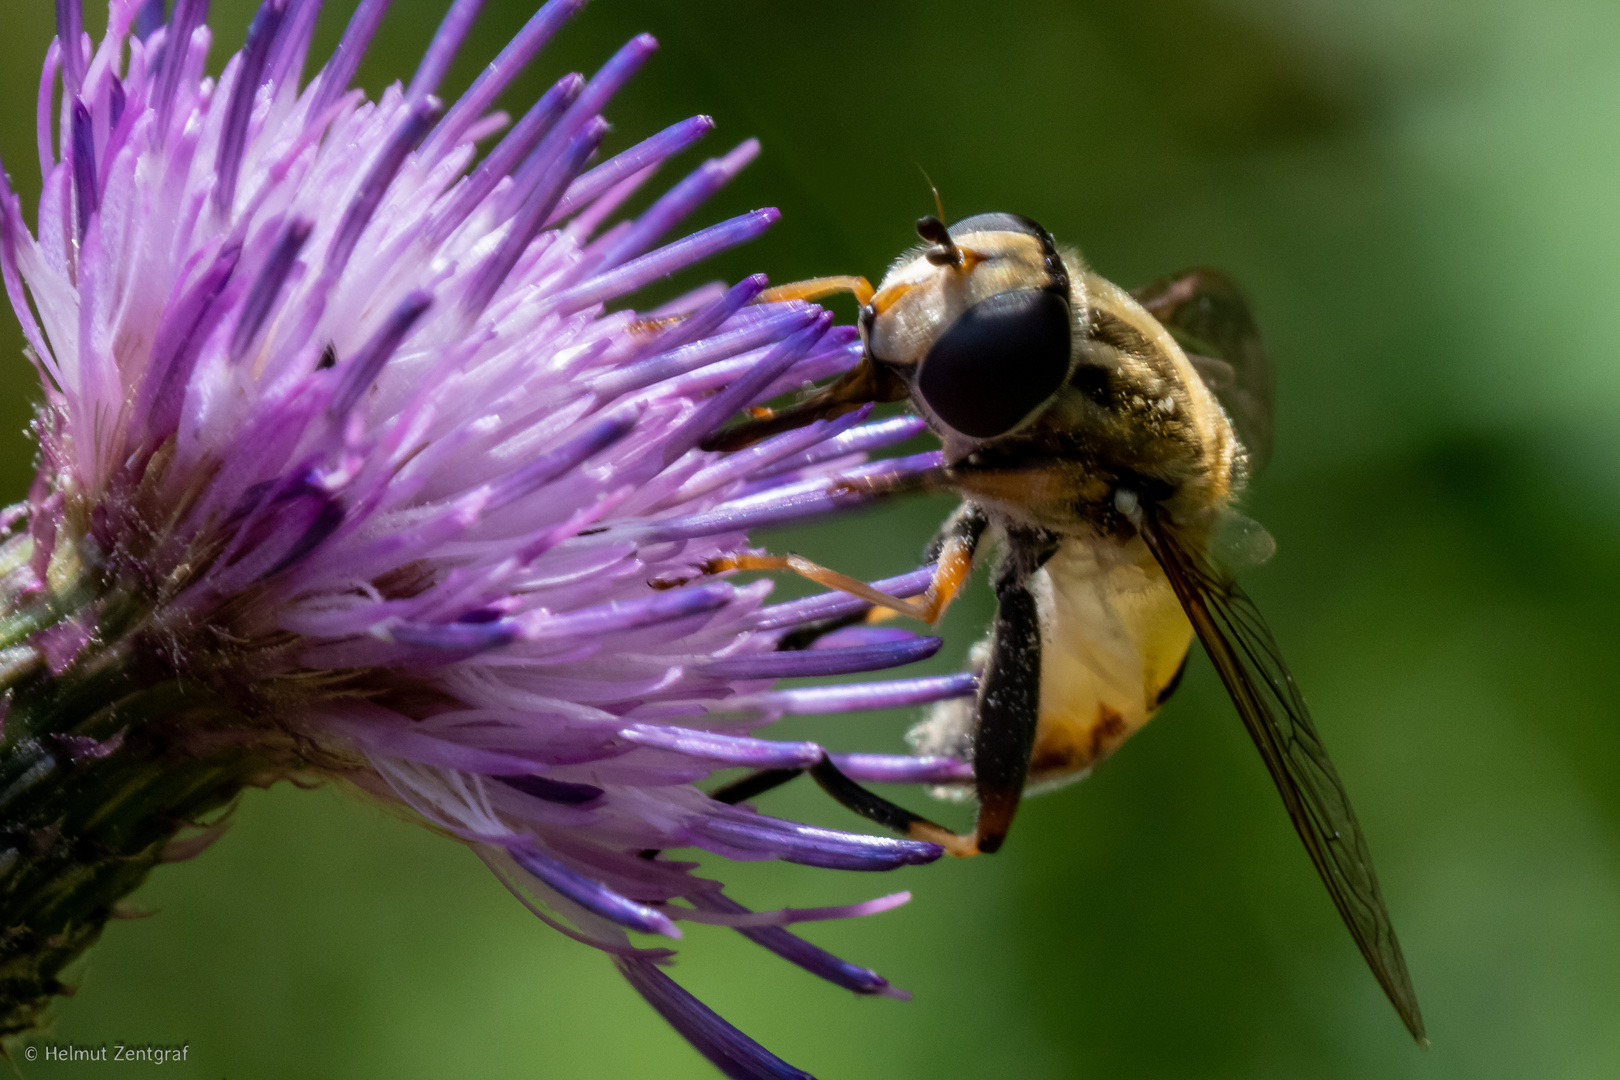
1175, 680
1109, 725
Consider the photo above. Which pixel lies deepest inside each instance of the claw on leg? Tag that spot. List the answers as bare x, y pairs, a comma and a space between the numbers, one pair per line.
962, 845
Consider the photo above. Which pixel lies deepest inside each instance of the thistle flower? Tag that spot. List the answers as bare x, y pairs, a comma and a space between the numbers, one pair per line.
347, 471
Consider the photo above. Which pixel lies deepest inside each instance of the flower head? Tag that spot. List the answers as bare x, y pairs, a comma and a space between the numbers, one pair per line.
353, 464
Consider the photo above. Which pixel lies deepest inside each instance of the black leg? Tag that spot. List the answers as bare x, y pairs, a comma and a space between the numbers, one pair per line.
808, 634
756, 783
874, 807
863, 383
1009, 699
847, 793
742, 789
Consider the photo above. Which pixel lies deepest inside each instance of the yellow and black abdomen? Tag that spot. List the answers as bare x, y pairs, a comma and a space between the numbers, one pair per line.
1113, 642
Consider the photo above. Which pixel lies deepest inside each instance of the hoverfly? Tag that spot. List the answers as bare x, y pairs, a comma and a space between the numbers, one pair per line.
1100, 436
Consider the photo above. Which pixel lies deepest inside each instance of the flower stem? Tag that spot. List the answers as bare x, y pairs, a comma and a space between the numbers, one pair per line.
97, 776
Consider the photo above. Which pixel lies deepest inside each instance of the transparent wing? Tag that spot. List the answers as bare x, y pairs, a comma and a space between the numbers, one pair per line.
1241, 646
1207, 315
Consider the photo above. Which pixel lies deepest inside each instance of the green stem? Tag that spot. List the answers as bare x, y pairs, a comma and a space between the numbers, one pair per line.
99, 768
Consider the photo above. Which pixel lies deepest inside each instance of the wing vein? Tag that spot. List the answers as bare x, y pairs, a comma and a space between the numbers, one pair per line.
1269, 703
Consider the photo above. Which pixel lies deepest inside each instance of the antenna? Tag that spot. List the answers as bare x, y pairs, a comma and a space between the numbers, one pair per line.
933, 230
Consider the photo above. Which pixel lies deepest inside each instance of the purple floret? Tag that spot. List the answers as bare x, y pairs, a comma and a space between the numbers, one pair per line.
363, 426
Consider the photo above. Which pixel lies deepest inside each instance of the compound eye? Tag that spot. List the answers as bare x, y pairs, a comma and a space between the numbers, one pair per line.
998, 222
997, 363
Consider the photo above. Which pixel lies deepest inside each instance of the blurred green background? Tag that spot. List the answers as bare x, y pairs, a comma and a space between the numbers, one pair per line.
1421, 201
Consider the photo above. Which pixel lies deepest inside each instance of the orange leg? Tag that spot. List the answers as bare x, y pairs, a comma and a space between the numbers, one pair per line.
886, 299
952, 550
816, 288
955, 563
